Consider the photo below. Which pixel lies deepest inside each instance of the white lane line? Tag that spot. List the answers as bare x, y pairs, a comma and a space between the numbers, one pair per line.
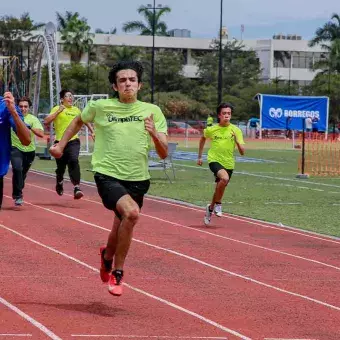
196, 260
182, 309
201, 231
283, 203
18, 335
249, 220
120, 336
34, 322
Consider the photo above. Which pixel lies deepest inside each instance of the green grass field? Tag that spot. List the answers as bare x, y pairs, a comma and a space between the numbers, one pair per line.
265, 191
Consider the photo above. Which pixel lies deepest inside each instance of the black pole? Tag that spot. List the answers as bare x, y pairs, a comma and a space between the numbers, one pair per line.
303, 147
28, 70
220, 61
153, 52
290, 70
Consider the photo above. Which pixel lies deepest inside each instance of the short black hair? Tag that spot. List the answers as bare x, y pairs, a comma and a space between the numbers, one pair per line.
63, 92
126, 65
224, 106
25, 99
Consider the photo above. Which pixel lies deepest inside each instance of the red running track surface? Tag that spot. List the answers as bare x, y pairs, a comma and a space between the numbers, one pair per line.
236, 279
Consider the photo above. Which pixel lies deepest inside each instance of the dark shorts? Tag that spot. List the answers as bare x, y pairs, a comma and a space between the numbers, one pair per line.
111, 189
215, 167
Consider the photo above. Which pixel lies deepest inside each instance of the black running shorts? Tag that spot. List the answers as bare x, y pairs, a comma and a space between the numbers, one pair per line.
215, 167
111, 189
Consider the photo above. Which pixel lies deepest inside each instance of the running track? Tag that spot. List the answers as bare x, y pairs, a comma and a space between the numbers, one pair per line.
237, 279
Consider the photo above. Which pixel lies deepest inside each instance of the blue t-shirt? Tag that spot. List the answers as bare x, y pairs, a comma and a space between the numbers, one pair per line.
253, 122
6, 123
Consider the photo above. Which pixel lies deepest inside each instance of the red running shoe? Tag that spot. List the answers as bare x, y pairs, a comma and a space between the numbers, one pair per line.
116, 283
105, 266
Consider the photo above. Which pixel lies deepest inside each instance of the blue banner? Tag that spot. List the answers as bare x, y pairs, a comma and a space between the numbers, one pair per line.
288, 112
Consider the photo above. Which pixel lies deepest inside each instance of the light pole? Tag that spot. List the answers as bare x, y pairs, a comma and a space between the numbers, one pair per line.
220, 61
153, 7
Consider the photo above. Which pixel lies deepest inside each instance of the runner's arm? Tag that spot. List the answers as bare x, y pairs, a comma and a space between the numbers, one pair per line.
51, 117
22, 130
161, 144
200, 150
38, 132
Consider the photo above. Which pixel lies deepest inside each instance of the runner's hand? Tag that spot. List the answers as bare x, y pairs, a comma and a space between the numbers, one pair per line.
200, 162
56, 151
150, 125
61, 108
10, 101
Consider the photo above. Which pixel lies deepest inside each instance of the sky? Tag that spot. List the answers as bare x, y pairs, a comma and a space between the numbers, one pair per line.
261, 18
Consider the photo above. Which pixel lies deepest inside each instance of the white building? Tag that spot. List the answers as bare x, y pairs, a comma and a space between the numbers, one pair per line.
274, 54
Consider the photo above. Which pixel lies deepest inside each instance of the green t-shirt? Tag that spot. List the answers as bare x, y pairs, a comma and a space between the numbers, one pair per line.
210, 121
122, 143
223, 144
34, 122
63, 120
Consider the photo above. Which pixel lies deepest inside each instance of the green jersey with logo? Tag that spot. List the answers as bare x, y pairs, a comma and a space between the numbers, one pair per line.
223, 144
64, 119
122, 143
34, 123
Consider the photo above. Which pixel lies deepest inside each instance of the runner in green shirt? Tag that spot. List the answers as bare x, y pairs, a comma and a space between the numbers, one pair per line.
224, 137
210, 120
62, 116
22, 156
124, 130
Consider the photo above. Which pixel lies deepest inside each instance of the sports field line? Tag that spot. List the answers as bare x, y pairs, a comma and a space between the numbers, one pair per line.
209, 233
154, 297
245, 173
190, 258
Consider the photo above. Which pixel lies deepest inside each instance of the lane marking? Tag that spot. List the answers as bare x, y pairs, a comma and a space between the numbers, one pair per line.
34, 322
148, 336
19, 335
185, 205
197, 230
195, 260
166, 302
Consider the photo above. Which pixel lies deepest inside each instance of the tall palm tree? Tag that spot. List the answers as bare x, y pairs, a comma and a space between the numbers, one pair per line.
111, 31
328, 32
63, 20
147, 27
330, 60
75, 34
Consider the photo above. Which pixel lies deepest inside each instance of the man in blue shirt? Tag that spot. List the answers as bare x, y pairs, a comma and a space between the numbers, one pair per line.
10, 117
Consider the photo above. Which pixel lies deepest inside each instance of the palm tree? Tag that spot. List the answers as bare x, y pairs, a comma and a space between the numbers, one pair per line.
330, 60
63, 20
111, 31
147, 28
330, 31
75, 34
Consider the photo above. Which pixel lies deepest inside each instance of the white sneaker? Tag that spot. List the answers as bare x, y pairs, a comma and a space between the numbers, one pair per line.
218, 210
207, 216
